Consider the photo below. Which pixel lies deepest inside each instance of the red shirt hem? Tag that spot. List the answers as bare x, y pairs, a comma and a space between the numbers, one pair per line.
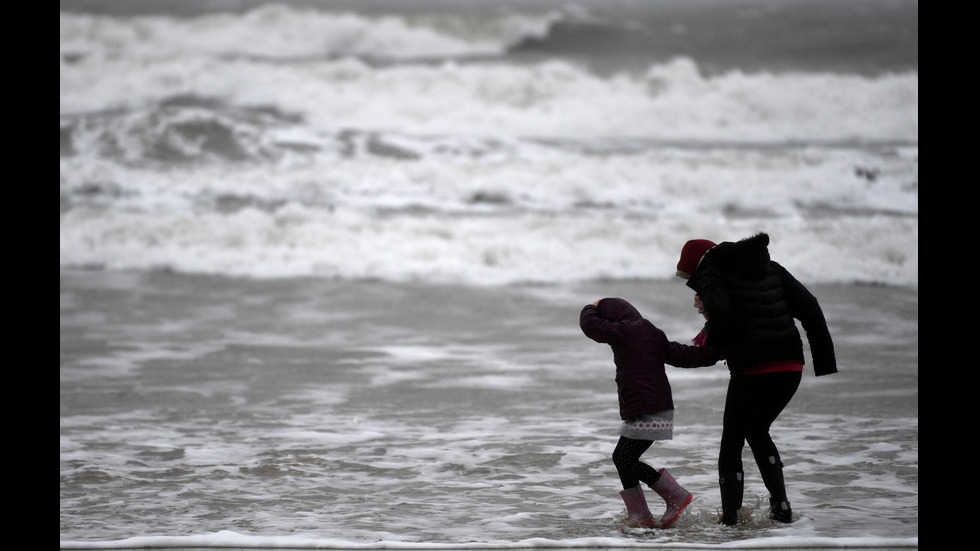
773, 367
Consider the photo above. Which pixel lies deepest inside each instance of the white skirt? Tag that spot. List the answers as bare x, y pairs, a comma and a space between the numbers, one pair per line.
657, 426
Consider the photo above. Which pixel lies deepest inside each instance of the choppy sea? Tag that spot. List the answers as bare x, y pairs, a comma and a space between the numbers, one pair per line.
321, 264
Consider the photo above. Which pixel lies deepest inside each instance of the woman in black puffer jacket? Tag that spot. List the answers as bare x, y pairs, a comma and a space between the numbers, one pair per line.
750, 303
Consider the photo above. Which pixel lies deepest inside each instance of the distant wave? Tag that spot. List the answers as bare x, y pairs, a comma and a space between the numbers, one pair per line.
672, 102
276, 31
290, 141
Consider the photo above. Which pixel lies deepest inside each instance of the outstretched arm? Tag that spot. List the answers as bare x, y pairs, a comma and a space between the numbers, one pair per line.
686, 355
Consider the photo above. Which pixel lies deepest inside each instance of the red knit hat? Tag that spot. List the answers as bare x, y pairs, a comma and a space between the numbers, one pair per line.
691, 256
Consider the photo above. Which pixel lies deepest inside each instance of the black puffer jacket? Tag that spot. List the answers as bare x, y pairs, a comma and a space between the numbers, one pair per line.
751, 301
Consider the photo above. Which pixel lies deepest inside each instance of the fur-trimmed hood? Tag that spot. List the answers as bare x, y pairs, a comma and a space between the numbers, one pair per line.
747, 257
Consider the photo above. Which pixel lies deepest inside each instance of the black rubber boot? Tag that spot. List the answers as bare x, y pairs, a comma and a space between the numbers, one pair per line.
771, 469
780, 510
731, 485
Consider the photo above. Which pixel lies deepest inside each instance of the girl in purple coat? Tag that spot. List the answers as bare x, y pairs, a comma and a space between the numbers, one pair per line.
640, 351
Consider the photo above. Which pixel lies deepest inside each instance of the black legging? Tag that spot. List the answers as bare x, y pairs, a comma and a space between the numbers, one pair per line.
631, 470
753, 403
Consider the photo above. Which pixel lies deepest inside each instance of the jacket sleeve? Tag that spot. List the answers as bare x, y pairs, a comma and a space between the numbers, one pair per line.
686, 355
597, 328
804, 307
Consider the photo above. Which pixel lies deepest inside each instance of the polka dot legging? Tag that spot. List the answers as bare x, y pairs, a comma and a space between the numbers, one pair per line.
631, 470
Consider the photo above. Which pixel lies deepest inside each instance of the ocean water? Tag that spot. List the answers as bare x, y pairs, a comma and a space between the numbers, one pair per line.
321, 264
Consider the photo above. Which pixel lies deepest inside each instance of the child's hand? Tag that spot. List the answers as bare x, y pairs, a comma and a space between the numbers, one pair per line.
596, 303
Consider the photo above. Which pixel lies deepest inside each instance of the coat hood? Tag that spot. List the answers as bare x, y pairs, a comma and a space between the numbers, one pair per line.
617, 309
748, 257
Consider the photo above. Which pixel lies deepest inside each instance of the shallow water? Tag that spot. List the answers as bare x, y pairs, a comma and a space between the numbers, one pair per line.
359, 413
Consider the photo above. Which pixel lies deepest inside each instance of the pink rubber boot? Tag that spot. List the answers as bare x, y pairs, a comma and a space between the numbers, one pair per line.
636, 506
677, 498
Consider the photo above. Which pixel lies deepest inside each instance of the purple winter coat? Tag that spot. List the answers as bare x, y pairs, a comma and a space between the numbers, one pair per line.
640, 350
